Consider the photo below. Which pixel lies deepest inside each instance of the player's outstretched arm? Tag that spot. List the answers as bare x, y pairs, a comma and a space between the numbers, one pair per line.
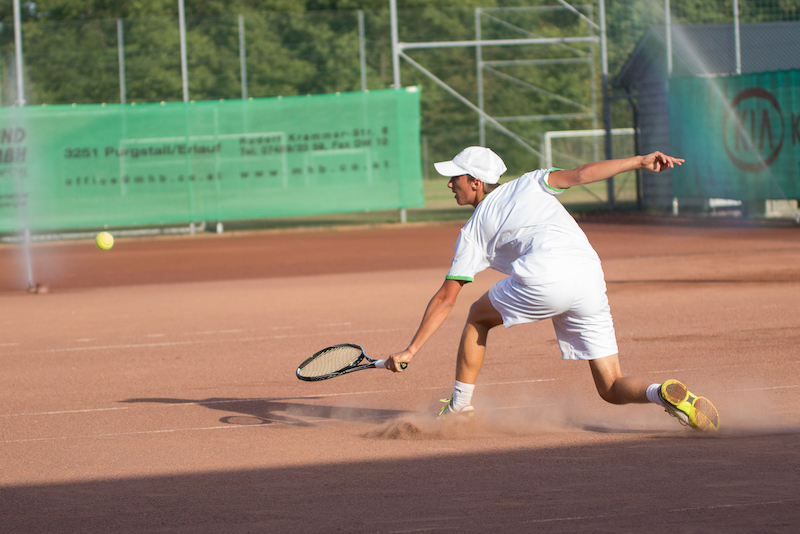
437, 311
603, 170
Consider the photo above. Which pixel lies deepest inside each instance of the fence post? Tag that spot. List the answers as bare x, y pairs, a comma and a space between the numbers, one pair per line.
121, 56
668, 35
18, 54
184, 67
362, 54
395, 43
606, 99
242, 57
737, 37
479, 61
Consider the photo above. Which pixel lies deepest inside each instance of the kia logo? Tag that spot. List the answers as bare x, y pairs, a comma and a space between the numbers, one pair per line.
750, 130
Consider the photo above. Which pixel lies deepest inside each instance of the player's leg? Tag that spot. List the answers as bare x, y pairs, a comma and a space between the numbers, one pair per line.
471, 351
690, 409
586, 332
612, 386
508, 303
672, 395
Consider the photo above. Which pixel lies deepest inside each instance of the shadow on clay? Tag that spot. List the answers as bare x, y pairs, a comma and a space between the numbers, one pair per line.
276, 411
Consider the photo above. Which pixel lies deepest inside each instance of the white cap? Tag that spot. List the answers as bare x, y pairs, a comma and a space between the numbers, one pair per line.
477, 161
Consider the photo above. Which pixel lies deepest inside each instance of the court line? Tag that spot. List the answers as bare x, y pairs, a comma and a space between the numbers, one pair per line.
200, 341
676, 510
270, 422
167, 431
760, 389
319, 396
261, 399
741, 505
305, 422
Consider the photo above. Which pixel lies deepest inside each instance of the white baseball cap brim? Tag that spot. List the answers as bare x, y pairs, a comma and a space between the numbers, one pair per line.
477, 161
448, 168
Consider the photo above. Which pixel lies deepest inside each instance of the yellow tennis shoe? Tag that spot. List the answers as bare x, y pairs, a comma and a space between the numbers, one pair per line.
448, 411
688, 408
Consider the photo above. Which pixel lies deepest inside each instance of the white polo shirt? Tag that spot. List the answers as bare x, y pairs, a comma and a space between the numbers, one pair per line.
522, 230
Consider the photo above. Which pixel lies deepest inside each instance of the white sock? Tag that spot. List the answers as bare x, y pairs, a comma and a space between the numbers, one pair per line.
462, 395
653, 396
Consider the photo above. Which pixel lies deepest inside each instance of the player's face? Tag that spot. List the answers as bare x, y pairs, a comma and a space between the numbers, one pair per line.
463, 189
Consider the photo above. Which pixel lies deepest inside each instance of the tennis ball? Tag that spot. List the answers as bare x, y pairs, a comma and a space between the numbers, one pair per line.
104, 240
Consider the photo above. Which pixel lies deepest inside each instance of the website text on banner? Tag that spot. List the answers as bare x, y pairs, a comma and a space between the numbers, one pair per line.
740, 133
127, 165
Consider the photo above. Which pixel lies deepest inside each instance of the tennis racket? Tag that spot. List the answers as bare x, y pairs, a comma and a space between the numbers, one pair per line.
338, 360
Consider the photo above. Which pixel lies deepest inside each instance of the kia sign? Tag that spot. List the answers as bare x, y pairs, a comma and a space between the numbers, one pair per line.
753, 130
740, 136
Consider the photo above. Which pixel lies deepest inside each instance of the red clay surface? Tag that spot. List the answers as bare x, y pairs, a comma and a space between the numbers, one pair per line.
152, 389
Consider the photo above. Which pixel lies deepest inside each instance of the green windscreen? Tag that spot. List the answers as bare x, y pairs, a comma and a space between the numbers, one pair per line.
740, 136
127, 165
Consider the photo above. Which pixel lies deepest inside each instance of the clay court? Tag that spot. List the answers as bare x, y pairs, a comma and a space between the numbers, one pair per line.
152, 389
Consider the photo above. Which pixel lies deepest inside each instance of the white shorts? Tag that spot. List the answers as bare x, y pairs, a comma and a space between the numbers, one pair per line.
578, 306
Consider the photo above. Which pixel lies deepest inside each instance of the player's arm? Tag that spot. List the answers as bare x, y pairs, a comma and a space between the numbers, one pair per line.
603, 170
437, 311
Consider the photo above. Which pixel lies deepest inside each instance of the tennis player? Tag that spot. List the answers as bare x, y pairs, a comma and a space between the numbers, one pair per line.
520, 229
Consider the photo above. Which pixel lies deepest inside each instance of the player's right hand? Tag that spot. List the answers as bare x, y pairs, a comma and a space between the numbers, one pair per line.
393, 362
658, 161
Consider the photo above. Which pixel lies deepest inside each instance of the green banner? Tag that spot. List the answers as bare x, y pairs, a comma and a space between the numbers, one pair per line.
128, 165
740, 136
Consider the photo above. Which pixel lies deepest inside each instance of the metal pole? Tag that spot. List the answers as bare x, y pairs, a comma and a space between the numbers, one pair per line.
184, 67
479, 61
18, 54
396, 67
362, 50
395, 43
26, 233
593, 86
606, 99
737, 37
121, 56
242, 57
668, 36
185, 81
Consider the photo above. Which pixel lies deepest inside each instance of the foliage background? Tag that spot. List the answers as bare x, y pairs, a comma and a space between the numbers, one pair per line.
298, 47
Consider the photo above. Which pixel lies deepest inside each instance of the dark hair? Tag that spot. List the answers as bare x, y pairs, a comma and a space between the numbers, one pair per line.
487, 188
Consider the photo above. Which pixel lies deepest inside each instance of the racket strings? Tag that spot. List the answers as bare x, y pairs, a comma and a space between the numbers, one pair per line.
330, 361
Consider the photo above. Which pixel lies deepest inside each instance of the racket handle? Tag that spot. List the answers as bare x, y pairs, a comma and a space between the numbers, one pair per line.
382, 364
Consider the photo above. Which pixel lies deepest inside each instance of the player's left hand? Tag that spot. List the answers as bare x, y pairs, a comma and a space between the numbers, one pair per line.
393, 362
658, 161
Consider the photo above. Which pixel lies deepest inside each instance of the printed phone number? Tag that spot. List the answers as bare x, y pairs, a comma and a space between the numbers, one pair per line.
210, 177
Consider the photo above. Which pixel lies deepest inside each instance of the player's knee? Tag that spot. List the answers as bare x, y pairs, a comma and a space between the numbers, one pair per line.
608, 394
482, 314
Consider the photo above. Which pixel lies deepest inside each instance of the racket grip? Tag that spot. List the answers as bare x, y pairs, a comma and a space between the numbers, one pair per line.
382, 364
